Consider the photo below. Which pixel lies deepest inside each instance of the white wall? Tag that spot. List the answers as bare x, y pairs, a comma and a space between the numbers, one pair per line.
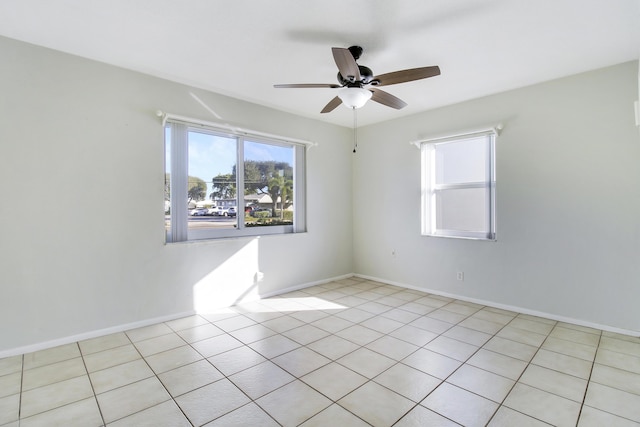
568, 202
81, 186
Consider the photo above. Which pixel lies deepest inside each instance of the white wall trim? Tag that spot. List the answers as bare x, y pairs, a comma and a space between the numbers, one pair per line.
305, 285
508, 307
91, 334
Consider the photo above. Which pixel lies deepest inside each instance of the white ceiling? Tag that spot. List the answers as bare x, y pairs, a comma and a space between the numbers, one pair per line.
241, 48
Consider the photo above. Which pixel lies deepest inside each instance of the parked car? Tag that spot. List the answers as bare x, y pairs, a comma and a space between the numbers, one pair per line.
198, 212
215, 211
228, 211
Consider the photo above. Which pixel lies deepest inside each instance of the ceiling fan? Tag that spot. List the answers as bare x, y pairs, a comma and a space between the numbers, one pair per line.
357, 83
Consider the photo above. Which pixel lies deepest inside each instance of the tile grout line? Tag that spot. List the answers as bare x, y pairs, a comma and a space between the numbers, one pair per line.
156, 375
296, 378
419, 348
224, 376
521, 374
463, 362
443, 307
500, 404
351, 352
444, 380
21, 388
586, 389
93, 390
557, 325
331, 360
125, 385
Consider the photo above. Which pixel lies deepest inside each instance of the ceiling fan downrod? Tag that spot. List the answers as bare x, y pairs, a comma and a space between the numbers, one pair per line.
355, 128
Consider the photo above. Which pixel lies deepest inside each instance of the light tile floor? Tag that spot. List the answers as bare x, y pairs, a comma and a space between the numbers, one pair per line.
346, 353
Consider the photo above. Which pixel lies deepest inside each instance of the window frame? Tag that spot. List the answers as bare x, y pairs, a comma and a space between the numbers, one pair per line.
179, 229
430, 189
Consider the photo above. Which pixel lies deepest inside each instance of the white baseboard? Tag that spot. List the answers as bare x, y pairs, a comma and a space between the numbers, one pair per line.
91, 334
507, 307
305, 285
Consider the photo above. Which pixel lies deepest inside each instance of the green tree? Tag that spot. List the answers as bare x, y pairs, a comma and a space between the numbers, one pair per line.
197, 189
260, 177
280, 187
268, 177
286, 195
224, 186
254, 177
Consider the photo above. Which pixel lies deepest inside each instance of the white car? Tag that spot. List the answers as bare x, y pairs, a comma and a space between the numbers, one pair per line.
214, 211
228, 211
198, 212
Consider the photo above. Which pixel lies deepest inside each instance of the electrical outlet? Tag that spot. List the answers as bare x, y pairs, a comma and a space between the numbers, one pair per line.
460, 276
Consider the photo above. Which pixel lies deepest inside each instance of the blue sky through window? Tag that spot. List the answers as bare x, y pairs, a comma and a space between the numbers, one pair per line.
212, 155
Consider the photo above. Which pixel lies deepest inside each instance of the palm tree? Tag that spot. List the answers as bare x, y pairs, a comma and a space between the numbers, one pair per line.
281, 188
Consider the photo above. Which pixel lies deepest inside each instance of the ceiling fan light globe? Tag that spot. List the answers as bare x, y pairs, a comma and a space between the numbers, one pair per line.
354, 97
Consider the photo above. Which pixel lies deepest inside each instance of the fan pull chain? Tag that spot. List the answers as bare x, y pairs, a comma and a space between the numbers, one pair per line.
355, 129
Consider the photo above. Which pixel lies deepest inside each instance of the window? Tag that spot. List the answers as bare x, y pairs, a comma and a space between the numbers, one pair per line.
204, 169
458, 186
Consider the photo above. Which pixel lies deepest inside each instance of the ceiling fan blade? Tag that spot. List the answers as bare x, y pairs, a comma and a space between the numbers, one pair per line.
331, 105
407, 75
346, 64
387, 99
307, 85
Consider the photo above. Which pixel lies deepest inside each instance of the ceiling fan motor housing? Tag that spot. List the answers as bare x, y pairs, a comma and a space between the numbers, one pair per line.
366, 75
